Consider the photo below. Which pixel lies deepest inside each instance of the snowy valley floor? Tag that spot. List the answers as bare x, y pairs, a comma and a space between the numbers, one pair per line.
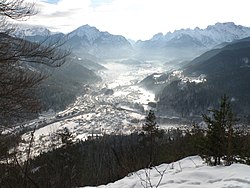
190, 172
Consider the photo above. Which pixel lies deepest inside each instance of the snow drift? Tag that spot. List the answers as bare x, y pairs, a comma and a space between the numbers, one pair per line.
190, 172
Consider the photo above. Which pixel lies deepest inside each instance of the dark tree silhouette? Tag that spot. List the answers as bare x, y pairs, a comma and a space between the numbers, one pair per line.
66, 136
20, 64
151, 132
16, 9
220, 132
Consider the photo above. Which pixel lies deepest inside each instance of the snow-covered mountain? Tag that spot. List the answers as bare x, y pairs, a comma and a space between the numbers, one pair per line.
98, 43
188, 172
181, 44
213, 34
93, 35
193, 41
22, 30
85, 41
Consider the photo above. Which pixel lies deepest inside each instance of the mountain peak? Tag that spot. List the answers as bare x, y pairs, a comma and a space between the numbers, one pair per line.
99, 43
158, 36
86, 29
24, 30
91, 33
224, 25
87, 26
197, 29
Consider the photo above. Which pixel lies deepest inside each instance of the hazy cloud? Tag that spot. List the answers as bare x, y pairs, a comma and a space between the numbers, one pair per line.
97, 3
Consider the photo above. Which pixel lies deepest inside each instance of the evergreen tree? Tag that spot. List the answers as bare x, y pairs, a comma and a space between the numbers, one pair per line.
150, 127
151, 132
66, 136
220, 132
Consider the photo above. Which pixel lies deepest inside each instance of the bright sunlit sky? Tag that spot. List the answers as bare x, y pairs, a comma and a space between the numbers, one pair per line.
139, 19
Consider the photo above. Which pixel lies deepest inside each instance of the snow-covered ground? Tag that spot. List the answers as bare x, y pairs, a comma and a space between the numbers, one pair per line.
190, 172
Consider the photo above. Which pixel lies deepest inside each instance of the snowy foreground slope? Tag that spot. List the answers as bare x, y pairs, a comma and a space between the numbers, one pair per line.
190, 172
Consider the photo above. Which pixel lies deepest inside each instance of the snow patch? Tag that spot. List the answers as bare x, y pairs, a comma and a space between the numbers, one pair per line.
188, 172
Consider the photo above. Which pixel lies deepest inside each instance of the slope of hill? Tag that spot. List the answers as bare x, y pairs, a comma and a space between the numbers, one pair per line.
226, 71
188, 172
233, 57
64, 84
89, 64
236, 45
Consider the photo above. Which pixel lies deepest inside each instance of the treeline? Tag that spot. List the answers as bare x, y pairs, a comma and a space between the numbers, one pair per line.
101, 160
105, 159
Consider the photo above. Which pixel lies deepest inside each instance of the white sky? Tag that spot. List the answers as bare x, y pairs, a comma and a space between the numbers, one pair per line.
139, 19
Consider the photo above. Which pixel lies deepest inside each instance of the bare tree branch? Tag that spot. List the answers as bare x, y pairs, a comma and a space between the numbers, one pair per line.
17, 9
21, 64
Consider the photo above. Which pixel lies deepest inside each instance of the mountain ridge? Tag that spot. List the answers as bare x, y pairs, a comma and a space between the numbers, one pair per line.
189, 43
219, 29
84, 40
183, 44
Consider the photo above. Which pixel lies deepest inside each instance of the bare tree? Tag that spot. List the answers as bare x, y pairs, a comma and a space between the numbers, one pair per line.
21, 63
146, 178
21, 70
16, 9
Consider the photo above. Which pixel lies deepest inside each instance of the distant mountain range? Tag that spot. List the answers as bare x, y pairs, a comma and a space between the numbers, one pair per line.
180, 44
188, 43
209, 37
85, 41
